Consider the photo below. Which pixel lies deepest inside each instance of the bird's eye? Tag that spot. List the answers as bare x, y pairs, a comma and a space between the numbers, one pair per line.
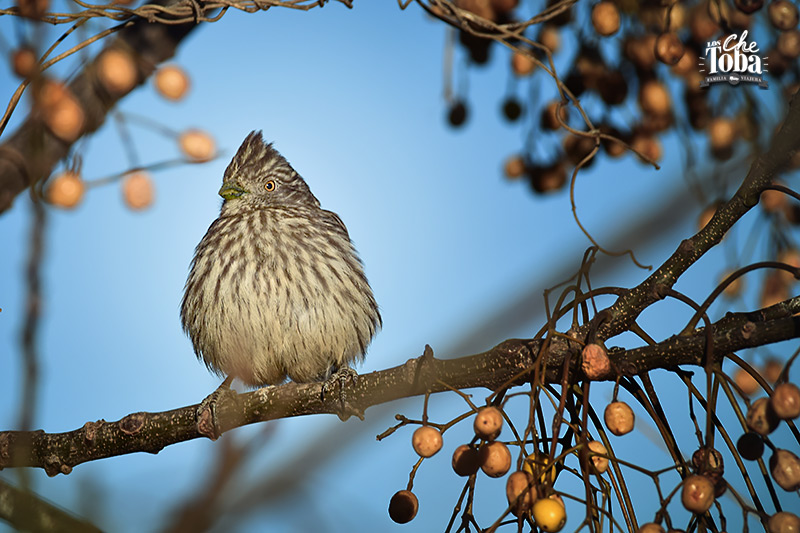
269, 186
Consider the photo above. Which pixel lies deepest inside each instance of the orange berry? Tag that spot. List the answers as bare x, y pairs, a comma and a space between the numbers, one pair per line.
117, 71
403, 506
522, 65
654, 98
745, 381
171, 82
495, 459
427, 441
60, 109
65, 190
514, 167
488, 423
24, 62
605, 18
137, 190
197, 145
619, 418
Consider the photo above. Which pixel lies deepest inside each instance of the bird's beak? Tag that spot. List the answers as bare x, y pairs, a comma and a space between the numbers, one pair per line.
230, 191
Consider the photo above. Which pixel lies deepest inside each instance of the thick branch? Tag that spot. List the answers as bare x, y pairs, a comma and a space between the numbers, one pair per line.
510, 360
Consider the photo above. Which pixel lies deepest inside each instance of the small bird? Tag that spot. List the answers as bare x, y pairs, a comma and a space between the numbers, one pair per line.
276, 288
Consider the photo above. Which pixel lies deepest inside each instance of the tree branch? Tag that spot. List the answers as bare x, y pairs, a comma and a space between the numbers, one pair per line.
784, 145
511, 361
26, 512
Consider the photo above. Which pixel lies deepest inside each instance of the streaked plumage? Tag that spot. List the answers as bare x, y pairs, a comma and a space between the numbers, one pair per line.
276, 288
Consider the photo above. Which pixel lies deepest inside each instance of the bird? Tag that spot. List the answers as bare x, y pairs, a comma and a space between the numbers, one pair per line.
276, 289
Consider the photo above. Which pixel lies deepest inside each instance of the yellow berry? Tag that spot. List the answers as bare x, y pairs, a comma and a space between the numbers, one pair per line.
549, 515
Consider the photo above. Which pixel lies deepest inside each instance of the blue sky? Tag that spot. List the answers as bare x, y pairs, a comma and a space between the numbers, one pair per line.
353, 99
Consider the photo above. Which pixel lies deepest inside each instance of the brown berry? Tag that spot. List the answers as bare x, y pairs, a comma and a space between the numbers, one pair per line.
782, 14
654, 98
783, 522
619, 418
550, 38
547, 179
595, 362
748, 6
789, 44
24, 62
772, 370
773, 201
403, 506
648, 146
495, 459
137, 190
549, 119
733, 290
65, 190
514, 167
488, 423
116, 70
791, 257
427, 441
605, 18
519, 493
171, 82
669, 48
745, 381
197, 145
466, 460
785, 401
697, 494
785, 469
750, 446
721, 135
522, 64
760, 417
600, 463
706, 215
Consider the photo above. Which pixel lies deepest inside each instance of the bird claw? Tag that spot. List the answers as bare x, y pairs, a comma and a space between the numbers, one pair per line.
207, 422
340, 377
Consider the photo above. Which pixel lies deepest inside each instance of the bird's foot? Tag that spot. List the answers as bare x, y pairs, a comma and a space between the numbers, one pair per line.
339, 378
207, 421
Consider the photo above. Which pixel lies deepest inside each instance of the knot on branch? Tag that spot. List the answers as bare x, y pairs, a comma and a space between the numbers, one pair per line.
90, 431
53, 465
132, 424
